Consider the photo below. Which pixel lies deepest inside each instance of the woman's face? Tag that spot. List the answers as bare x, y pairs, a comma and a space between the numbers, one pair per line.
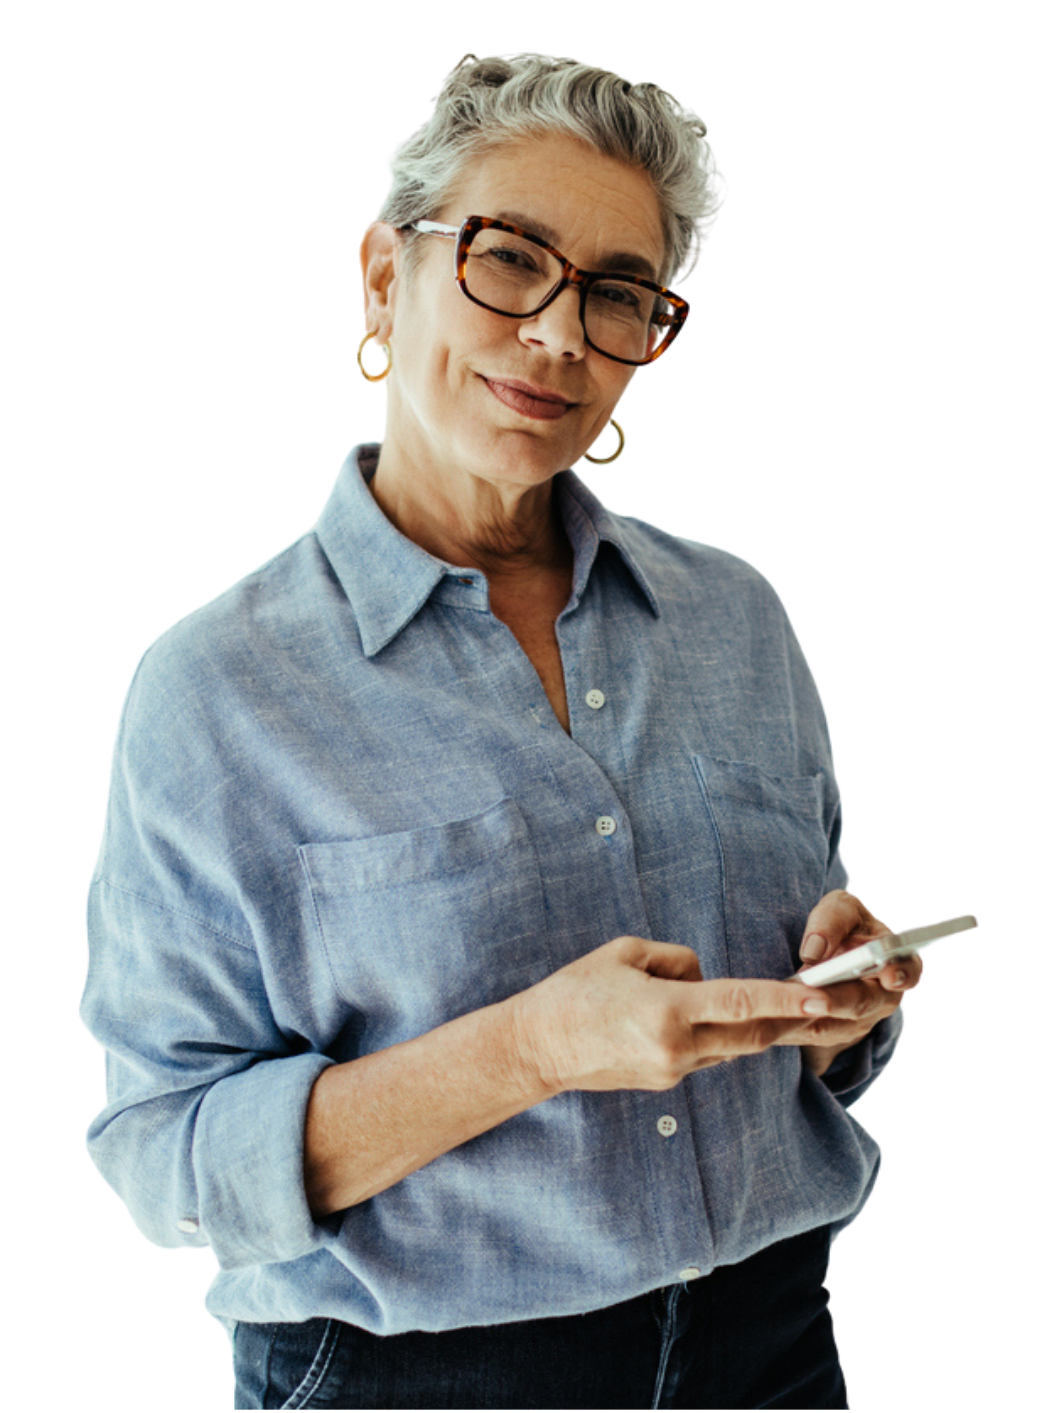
460, 391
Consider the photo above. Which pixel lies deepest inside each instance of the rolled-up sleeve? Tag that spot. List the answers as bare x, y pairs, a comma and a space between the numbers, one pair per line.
203, 1133
207, 1084
855, 1069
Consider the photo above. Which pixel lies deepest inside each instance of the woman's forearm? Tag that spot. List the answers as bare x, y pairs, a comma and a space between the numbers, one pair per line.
373, 1121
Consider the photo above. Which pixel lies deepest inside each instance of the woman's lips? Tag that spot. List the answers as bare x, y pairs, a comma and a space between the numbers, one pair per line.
528, 400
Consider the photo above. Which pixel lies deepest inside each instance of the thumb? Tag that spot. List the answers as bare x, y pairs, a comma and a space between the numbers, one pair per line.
671, 961
813, 948
836, 920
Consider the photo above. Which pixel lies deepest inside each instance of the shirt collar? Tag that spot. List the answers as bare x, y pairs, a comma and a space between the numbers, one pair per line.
388, 578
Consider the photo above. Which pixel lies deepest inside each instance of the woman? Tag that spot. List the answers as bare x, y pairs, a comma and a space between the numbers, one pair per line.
457, 860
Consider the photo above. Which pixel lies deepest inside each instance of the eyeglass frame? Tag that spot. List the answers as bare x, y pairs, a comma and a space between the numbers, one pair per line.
470, 227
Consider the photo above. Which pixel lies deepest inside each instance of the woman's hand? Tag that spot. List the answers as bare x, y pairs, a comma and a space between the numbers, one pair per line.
635, 1014
632, 1014
835, 925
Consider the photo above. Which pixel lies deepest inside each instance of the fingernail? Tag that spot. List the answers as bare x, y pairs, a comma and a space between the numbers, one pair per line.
812, 948
899, 977
817, 1007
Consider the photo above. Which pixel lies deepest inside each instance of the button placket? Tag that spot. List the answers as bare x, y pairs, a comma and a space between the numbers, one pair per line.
667, 1126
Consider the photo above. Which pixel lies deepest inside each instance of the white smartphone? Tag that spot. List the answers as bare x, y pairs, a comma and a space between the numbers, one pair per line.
870, 957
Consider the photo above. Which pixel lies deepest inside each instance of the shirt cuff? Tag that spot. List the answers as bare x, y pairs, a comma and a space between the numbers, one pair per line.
855, 1069
248, 1163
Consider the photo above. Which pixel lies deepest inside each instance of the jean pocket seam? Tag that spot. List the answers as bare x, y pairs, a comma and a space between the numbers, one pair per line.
312, 1380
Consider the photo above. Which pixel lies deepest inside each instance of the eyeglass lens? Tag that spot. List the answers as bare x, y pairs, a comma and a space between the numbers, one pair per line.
514, 276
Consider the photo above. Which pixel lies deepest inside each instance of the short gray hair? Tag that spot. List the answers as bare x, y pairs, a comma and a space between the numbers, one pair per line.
486, 103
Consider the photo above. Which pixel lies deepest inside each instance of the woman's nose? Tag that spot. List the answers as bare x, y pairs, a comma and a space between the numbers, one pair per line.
557, 328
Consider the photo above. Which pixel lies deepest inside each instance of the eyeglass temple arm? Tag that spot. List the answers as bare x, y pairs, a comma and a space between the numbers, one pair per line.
432, 228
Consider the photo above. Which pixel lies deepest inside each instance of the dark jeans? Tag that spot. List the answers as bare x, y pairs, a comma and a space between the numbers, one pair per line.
756, 1335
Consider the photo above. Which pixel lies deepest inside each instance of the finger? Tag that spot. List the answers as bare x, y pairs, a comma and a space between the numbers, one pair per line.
855, 1000
830, 1031
717, 1043
902, 975
671, 961
685, 967
864, 1002
739, 1001
837, 917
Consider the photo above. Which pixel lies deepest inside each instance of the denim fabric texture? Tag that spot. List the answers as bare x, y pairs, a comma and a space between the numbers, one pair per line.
343, 812
756, 1335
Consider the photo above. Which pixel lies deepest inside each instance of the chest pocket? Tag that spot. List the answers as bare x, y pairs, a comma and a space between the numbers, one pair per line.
773, 855
423, 925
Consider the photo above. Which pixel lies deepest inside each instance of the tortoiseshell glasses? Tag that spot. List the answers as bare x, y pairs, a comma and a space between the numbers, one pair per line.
507, 270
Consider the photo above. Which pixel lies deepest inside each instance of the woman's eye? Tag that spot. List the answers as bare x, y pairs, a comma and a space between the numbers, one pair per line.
618, 298
514, 258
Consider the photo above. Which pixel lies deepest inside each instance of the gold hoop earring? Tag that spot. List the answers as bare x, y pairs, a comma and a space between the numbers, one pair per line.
606, 460
373, 377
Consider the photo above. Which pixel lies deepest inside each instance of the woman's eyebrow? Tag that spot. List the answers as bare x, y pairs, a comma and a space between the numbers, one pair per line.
618, 261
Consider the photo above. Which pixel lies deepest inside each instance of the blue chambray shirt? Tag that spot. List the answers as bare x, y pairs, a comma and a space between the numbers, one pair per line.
344, 812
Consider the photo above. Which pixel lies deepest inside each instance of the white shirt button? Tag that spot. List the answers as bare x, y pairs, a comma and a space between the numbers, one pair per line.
667, 1125
595, 698
188, 1225
605, 825
690, 1273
